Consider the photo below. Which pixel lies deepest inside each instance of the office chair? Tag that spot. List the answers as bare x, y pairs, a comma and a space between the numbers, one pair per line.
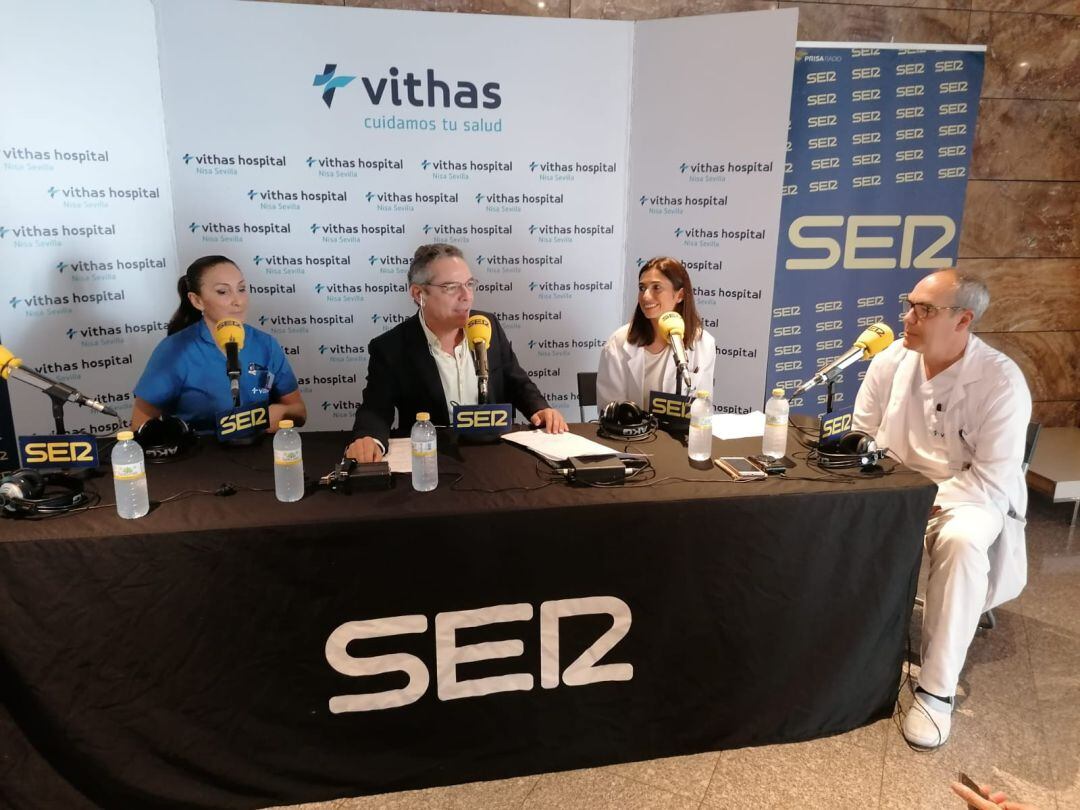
586, 388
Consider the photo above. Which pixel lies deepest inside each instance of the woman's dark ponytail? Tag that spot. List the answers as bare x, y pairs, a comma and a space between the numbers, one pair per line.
186, 314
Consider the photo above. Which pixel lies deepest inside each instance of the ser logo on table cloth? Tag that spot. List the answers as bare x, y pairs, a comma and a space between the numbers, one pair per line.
449, 654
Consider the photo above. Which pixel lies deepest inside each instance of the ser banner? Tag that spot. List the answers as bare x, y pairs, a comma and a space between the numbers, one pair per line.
878, 153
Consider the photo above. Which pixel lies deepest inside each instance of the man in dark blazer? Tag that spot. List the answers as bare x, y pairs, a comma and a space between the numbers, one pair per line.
425, 363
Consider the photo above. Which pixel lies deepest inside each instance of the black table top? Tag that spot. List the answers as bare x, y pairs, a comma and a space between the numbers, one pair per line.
473, 479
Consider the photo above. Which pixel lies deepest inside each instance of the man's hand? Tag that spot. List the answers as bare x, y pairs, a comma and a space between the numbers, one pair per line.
988, 800
364, 449
550, 420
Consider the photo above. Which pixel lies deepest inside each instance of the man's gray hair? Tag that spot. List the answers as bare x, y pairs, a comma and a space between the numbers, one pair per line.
971, 293
420, 269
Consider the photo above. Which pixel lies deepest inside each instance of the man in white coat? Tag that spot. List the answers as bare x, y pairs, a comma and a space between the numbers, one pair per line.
957, 411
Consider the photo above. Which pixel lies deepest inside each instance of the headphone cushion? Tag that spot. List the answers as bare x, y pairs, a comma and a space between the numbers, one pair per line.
164, 438
856, 443
626, 420
31, 482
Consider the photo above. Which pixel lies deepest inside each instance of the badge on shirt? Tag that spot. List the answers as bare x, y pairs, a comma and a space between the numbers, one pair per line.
264, 379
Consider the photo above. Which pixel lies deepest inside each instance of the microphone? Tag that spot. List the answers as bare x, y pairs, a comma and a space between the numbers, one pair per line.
11, 366
673, 330
478, 333
873, 339
229, 335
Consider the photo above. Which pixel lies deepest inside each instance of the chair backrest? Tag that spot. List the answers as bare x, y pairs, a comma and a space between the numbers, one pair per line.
586, 388
1029, 444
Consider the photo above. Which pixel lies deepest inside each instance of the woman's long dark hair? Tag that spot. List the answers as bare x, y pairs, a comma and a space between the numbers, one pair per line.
186, 314
641, 328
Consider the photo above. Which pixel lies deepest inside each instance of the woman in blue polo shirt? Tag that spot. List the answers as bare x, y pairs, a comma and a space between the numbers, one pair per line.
186, 374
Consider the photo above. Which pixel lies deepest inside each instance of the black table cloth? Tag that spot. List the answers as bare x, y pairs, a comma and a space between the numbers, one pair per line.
240, 652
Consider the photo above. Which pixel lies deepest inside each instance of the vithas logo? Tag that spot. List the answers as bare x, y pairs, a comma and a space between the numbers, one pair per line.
330, 83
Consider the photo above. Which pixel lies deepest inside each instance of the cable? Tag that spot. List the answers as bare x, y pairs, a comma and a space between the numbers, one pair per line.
91, 501
898, 717
548, 481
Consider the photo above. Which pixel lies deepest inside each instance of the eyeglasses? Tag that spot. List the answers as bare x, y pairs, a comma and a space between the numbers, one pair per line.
922, 311
455, 287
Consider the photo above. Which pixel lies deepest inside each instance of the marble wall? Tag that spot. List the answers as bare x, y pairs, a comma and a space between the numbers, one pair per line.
1021, 229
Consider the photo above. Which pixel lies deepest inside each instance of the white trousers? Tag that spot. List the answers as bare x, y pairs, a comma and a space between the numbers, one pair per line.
957, 543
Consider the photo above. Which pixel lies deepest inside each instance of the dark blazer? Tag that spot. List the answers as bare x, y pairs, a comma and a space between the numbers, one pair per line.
402, 377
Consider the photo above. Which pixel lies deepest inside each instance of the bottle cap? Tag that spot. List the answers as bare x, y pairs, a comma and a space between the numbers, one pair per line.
778, 392
423, 416
125, 436
702, 394
285, 424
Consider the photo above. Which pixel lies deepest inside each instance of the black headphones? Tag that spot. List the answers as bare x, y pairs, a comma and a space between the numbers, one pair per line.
165, 438
626, 421
854, 449
25, 493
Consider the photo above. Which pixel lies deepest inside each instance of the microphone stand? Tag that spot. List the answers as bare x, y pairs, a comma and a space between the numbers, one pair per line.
58, 412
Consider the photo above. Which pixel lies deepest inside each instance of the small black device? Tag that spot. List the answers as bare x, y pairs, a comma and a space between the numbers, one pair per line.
348, 475
739, 468
595, 470
771, 466
968, 782
626, 421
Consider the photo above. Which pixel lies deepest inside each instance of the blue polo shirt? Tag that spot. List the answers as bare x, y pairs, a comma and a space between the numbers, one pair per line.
186, 375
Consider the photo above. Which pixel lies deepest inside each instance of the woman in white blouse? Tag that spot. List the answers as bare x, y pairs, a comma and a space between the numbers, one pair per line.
636, 360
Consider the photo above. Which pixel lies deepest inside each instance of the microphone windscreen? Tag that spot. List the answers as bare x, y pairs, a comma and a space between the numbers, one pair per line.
478, 330
8, 361
229, 330
876, 337
671, 323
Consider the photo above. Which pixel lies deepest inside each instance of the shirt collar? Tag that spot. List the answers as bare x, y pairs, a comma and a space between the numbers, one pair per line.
204, 332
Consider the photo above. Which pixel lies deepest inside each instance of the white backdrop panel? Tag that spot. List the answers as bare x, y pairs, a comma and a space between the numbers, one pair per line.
710, 113
87, 254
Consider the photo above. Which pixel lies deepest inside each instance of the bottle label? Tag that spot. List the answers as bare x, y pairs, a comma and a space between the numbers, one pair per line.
128, 472
776, 421
286, 458
423, 449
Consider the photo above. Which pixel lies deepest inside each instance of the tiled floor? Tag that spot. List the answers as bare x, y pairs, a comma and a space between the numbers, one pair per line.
1017, 725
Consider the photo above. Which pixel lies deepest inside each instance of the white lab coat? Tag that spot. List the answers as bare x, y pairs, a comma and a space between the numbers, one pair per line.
622, 368
985, 431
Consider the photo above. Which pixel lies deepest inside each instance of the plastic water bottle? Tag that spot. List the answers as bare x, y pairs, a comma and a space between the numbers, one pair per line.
699, 446
129, 477
774, 442
425, 458
288, 463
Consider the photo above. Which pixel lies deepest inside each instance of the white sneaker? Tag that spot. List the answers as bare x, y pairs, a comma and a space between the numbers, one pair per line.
928, 721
